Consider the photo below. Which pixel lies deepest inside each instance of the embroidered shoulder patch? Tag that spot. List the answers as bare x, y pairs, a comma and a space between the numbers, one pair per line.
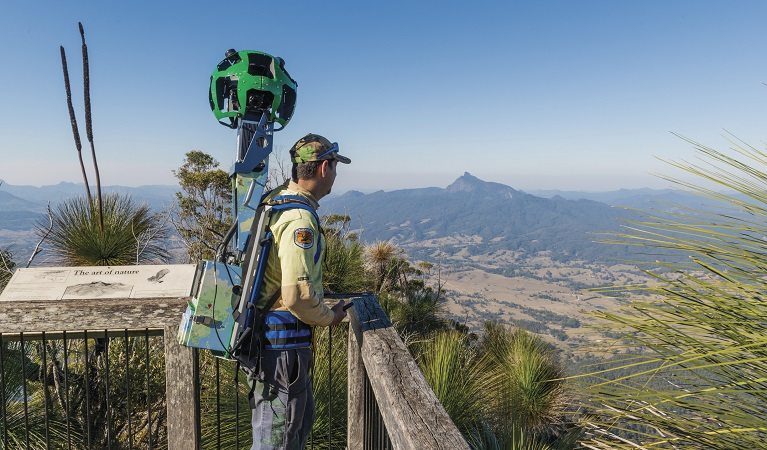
303, 237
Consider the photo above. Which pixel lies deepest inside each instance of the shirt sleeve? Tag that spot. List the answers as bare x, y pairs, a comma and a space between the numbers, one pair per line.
301, 284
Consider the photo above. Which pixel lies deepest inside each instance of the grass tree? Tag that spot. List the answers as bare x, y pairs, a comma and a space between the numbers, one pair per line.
459, 376
527, 396
381, 258
506, 393
99, 231
132, 233
343, 269
415, 307
701, 381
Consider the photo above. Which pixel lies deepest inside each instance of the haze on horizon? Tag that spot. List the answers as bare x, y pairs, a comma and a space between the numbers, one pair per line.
544, 95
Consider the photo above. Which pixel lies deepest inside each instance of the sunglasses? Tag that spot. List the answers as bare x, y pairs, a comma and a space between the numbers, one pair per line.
333, 149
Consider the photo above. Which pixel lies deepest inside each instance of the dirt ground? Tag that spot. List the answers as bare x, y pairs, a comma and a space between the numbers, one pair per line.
553, 299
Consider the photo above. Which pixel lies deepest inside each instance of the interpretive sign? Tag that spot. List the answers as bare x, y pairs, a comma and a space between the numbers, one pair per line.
100, 282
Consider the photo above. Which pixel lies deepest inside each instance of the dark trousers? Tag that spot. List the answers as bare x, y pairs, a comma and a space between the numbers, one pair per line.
282, 402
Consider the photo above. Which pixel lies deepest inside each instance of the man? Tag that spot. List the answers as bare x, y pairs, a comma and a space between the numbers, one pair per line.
282, 401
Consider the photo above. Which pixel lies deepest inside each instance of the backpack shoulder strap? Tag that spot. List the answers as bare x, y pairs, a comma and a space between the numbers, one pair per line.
272, 300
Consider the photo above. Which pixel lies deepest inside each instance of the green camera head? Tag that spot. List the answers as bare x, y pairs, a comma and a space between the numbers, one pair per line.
248, 83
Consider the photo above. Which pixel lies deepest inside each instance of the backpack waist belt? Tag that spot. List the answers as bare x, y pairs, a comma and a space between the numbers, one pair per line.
284, 331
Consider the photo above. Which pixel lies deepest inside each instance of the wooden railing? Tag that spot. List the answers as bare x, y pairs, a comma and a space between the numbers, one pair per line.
390, 404
379, 361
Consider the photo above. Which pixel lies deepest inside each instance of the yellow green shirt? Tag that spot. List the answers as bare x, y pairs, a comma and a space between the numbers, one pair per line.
291, 265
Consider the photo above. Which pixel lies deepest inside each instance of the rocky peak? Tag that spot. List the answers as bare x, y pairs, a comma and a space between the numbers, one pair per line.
469, 183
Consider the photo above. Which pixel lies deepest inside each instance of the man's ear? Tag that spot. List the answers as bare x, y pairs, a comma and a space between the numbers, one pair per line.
324, 167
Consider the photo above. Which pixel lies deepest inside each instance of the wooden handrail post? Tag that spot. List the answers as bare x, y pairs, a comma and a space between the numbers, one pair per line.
355, 423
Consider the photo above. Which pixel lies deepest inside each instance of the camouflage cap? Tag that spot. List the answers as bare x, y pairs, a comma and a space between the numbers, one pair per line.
314, 147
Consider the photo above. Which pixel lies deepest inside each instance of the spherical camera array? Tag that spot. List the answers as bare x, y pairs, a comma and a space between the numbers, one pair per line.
248, 83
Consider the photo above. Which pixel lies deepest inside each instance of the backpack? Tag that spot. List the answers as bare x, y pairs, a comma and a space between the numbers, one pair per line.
224, 316
248, 333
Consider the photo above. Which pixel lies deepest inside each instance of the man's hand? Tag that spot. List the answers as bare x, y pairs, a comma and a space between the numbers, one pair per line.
338, 313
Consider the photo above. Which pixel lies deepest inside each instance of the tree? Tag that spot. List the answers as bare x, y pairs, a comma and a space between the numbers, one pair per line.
699, 381
204, 205
131, 234
382, 258
507, 393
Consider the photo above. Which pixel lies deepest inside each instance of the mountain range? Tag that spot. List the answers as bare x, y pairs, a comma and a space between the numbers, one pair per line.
644, 199
156, 196
480, 216
485, 217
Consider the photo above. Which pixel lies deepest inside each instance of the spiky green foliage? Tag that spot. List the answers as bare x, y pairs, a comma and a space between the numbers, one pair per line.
132, 233
504, 394
527, 376
224, 407
702, 379
483, 438
459, 376
20, 426
204, 204
529, 396
415, 307
382, 258
420, 311
330, 387
343, 269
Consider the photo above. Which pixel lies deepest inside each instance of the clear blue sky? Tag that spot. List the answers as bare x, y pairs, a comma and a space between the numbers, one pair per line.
537, 95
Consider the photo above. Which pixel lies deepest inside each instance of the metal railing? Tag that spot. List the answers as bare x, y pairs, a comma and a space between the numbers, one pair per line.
100, 390
82, 390
376, 437
80, 374
225, 412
